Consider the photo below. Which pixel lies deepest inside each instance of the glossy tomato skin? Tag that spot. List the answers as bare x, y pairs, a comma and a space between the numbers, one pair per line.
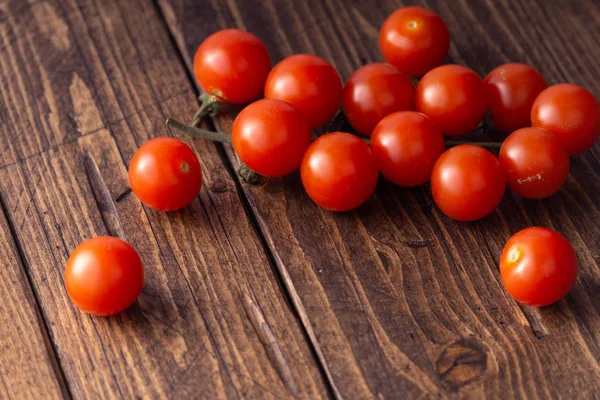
310, 84
270, 137
233, 65
454, 97
338, 171
414, 40
569, 112
165, 174
535, 162
511, 90
373, 92
467, 182
406, 146
538, 266
104, 276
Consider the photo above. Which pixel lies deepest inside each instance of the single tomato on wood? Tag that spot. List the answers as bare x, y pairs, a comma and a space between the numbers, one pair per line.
406, 146
104, 276
374, 92
338, 171
165, 174
310, 84
511, 90
467, 182
270, 137
538, 266
569, 112
415, 40
454, 97
535, 162
233, 65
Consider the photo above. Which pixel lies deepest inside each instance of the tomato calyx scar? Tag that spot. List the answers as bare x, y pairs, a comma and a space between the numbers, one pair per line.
537, 177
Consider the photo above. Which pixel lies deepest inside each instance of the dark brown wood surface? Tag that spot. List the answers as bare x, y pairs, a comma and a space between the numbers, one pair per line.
253, 291
27, 363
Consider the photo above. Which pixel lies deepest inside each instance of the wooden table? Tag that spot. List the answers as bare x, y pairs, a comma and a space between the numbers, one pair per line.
253, 291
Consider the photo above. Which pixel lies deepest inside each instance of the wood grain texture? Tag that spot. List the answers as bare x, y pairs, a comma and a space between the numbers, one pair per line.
28, 366
84, 84
399, 300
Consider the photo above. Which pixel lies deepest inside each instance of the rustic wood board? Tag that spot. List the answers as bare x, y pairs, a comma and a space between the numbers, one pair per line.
399, 300
84, 83
28, 366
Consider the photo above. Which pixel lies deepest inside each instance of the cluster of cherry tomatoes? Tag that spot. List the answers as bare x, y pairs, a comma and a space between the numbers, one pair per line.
401, 133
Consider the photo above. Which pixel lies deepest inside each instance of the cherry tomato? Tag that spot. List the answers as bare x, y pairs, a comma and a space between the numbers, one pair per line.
104, 276
535, 162
405, 146
373, 92
571, 113
270, 137
454, 97
165, 174
511, 91
233, 65
538, 266
467, 182
414, 40
338, 171
310, 84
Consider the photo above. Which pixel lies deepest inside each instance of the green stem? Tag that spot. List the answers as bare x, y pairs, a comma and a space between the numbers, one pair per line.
489, 145
244, 172
211, 105
201, 133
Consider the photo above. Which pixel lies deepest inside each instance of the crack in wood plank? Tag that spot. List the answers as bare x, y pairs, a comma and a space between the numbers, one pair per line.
271, 342
103, 198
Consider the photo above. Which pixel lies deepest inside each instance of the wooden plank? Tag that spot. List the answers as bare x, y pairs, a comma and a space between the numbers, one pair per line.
84, 84
398, 298
28, 366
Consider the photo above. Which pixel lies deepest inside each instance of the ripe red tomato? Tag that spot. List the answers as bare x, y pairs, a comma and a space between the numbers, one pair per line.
104, 276
511, 91
233, 65
538, 266
405, 146
338, 171
270, 137
454, 97
414, 40
467, 182
310, 84
535, 162
373, 92
571, 113
165, 174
